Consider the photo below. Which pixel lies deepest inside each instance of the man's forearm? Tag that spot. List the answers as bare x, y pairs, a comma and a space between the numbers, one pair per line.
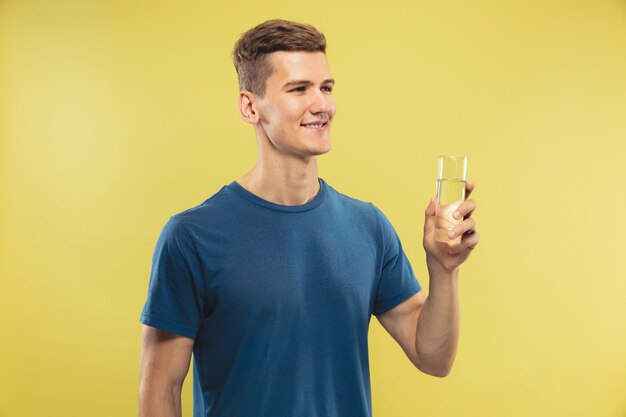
438, 324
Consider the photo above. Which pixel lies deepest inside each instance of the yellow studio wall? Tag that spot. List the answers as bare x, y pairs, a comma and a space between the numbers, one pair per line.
115, 115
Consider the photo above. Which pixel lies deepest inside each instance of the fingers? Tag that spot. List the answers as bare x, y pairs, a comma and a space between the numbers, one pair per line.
466, 209
431, 209
430, 213
467, 226
468, 242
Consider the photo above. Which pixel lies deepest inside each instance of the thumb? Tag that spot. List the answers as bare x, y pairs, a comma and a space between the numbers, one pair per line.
430, 214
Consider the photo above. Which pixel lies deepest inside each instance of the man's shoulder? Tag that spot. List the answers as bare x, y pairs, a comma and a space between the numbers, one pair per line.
358, 206
364, 210
212, 209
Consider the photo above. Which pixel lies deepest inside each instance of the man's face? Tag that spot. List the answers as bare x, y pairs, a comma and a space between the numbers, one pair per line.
298, 107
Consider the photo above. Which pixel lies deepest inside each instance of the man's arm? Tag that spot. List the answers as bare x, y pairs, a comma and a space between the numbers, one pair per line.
438, 328
164, 363
427, 329
401, 323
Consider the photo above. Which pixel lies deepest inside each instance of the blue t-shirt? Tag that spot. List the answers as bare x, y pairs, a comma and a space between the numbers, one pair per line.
278, 300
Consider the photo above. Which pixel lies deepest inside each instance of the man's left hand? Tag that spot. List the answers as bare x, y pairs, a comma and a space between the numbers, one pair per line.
443, 255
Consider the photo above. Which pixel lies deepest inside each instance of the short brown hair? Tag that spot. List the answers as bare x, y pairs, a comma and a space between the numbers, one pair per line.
252, 50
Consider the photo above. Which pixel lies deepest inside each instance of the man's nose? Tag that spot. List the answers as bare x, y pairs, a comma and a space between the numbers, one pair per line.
321, 103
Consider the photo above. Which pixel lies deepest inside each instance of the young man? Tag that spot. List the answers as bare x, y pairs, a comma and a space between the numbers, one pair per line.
272, 281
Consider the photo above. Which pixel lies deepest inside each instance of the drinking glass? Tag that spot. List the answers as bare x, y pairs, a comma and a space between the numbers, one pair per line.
450, 194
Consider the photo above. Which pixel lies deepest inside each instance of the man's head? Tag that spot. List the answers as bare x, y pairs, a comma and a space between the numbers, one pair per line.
285, 87
252, 51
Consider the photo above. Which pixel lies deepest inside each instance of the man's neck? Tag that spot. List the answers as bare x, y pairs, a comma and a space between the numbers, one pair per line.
289, 183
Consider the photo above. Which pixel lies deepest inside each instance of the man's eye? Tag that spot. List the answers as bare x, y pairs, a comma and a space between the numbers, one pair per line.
325, 87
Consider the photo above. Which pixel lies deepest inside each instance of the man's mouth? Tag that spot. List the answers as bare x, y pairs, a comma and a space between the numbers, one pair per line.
314, 125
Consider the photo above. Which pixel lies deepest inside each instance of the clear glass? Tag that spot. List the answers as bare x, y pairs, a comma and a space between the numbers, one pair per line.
450, 194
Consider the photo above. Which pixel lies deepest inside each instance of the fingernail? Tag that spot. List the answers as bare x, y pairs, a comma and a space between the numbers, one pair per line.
457, 214
452, 234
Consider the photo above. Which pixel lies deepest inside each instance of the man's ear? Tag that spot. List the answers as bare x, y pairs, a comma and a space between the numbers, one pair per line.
247, 107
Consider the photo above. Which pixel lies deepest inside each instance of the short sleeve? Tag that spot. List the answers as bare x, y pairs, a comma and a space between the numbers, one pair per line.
397, 280
174, 301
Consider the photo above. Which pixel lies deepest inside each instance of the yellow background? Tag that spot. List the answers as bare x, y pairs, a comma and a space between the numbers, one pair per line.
115, 115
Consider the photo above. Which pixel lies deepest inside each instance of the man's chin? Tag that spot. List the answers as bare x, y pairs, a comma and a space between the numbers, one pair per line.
322, 150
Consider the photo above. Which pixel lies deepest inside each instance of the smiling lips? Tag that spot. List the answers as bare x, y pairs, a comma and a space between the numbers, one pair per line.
315, 125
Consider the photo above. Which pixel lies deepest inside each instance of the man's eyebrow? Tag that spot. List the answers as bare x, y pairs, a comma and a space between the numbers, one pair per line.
307, 82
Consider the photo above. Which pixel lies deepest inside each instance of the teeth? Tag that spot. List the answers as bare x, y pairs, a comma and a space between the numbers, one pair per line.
314, 126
